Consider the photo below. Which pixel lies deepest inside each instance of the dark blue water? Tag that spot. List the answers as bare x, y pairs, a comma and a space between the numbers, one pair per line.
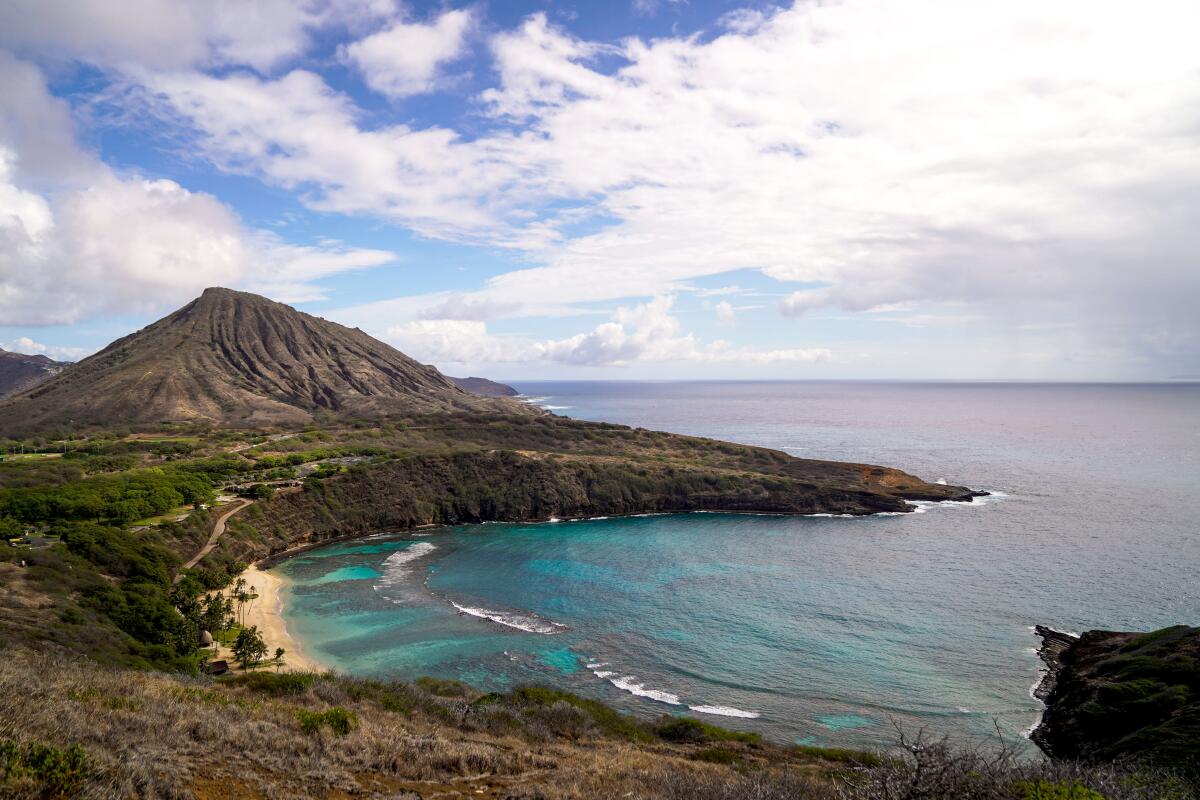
826, 629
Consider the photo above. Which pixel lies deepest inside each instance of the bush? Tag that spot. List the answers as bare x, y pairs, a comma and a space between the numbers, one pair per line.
843, 755
276, 683
717, 755
60, 772
339, 720
686, 729
1056, 790
533, 702
445, 688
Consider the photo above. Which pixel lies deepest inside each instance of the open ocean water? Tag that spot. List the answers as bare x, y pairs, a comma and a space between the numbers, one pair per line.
814, 630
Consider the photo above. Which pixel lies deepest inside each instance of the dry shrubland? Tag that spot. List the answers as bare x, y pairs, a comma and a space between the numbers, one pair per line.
71, 728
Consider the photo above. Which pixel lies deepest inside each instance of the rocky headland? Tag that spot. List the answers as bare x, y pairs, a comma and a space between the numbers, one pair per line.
1111, 694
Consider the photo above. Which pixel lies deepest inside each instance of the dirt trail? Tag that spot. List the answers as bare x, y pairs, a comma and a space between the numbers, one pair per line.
218, 530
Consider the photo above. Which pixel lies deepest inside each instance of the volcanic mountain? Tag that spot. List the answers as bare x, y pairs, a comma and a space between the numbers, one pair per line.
238, 359
19, 371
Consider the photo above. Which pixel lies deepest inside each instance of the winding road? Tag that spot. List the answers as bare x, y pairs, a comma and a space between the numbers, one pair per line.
218, 530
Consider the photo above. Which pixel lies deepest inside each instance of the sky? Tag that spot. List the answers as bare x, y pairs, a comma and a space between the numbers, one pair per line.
655, 189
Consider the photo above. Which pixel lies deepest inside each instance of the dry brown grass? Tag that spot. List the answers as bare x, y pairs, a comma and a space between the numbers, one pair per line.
161, 736
153, 735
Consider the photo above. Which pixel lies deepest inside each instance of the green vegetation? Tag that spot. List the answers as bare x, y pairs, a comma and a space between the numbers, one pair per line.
1132, 694
337, 719
279, 684
45, 769
842, 755
1056, 790
693, 731
249, 648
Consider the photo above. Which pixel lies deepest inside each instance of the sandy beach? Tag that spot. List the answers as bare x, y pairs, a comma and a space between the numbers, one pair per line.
266, 614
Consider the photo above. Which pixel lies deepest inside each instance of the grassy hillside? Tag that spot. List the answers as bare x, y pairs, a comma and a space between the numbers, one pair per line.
97, 732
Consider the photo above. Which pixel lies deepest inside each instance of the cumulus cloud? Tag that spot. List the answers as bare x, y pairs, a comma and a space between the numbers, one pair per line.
643, 334
1016, 157
80, 242
1029, 163
726, 313
405, 59
23, 344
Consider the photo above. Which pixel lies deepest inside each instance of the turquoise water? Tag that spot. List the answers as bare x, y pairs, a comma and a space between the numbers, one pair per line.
817, 630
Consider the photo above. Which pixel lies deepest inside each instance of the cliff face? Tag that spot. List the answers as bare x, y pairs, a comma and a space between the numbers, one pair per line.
1114, 694
508, 486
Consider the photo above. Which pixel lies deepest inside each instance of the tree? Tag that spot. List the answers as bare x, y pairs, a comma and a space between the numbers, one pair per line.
278, 656
249, 649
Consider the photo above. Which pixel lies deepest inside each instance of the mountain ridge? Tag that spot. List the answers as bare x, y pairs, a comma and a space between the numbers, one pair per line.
238, 359
20, 371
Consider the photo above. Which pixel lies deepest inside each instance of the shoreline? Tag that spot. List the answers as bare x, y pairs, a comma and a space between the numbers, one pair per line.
271, 560
266, 613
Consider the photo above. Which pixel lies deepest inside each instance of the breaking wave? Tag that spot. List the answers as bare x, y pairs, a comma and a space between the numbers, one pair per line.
522, 621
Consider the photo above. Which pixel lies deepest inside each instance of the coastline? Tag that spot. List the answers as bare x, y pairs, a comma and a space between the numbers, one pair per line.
266, 613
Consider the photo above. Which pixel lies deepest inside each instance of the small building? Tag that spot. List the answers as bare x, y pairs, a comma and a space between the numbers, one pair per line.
206, 639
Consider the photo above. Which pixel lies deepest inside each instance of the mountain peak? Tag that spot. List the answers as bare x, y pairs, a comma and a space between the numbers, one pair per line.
236, 358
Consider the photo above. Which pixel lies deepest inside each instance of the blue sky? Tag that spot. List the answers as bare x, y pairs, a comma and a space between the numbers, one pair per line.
671, 189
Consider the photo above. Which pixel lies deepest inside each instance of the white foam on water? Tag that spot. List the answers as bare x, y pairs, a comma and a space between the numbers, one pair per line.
529, 623
725, 711
549, 407
554, 519
629, 683
396, 568
942, 481
597, 664
600, 673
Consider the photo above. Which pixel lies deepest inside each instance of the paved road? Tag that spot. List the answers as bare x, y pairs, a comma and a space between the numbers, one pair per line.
218, 529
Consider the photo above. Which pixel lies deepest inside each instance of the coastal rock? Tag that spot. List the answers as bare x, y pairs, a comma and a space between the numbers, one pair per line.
484, 387
1112, 694
1054, 644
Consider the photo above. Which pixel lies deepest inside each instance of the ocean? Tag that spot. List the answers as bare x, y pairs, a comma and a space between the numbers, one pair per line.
829, 631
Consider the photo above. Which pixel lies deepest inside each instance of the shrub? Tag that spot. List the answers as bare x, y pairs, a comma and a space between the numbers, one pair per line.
445, 688
60, 772
716, 755
843, 755
276, 683
1056, 790
686, 729
339, 720
532, 701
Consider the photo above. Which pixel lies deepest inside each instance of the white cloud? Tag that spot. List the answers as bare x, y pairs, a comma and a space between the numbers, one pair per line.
726, 313
158, 34
1030, 161
648, 8
645, 334
23, 344
99, 242
405, 59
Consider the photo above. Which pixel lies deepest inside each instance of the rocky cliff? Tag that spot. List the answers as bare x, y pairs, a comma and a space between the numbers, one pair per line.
1122, 695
